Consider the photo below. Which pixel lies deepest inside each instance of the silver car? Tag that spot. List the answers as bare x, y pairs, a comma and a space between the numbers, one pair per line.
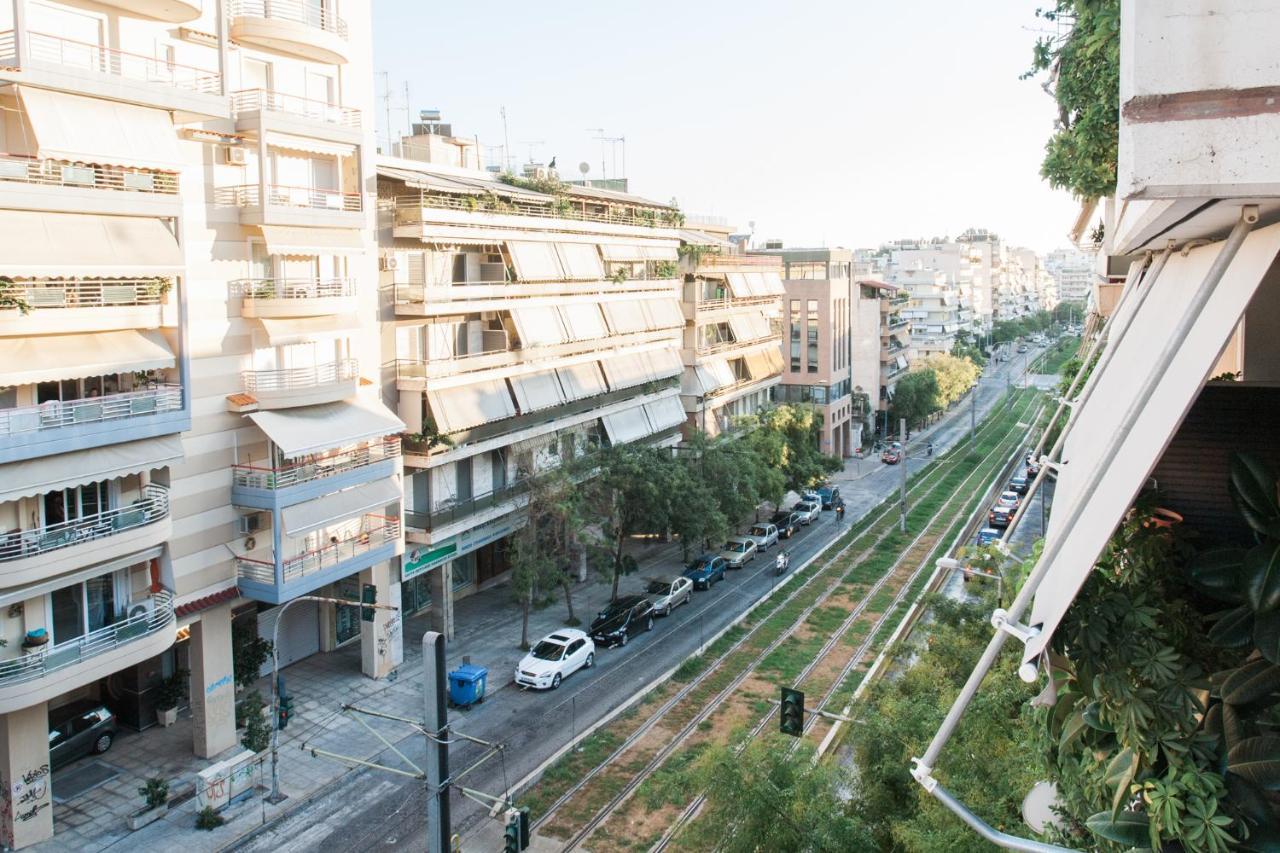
765, 535
808, 511
669, 593
739, 551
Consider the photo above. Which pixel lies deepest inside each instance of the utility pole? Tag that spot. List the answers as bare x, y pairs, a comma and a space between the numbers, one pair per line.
437, 731
973, 416
902, 490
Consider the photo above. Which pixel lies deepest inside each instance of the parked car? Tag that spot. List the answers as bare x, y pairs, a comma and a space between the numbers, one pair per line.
829, 495
891, 456
765, 535
738, 551
81, 728
1022, 348
554, 658
1019, 484
787, 523
999, 516
987, 535
705, 570
808, 511
622, 620
669, 593
811, 496
1009, 499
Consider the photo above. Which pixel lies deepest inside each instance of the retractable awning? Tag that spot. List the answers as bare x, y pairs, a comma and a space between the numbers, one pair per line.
627, 425
91, 130
636, 252
309, 516
664, 363
67, 470
772, 283
665, 414
583, 321
303, 330
308, 145
539, 325
50, 245
663, 314
759, 366
310, 242
461, 185
313, 429
50, 358
627, 370
536, 391
580, 261
535, 261
467, 406
580, 381
739, 285
625, 317
1131, 371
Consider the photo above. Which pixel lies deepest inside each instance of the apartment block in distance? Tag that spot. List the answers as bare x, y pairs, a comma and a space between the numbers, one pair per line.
183, 433
529, 327
733, 303
894, 342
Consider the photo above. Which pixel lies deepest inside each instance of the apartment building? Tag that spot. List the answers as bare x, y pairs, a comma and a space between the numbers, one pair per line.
936, 309
894, 337
817, 342
1073, 274
966, 265
529, 326
185, 314
732, 301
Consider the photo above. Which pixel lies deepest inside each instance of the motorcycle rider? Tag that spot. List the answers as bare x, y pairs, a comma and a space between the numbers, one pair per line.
781, 562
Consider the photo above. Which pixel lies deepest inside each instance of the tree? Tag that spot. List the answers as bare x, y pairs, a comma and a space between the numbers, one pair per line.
627, 496
787, 438
916, 396
961, 349
955, 376
540, 551
694, 511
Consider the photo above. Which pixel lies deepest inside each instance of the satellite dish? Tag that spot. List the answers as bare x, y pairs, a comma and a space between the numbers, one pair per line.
584, 167
1038, 805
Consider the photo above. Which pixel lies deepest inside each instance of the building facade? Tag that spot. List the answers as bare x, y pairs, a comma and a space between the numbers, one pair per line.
1073, 274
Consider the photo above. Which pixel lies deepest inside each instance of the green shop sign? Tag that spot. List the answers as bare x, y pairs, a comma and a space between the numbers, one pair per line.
419, 560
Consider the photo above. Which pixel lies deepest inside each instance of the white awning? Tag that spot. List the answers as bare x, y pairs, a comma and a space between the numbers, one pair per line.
665, 414
49, 358
580, 381
741, 326
537, 391
697, 381
627, 370
308, 145
67, 470
91, 130
628, 252
627, 425
77, 244
539, 325
581, 261
739, 285
470, 405
1100, 426
662, 252
583, 321
625, 316
773, 283
26, 592
663, 314
309, 516
720, 371
664, 363
535, 261
302, 330
313, 429
310, 242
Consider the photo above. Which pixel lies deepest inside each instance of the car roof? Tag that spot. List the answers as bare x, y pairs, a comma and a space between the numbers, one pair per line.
739, 539
629, 600
58, 716
762, 524
565, 635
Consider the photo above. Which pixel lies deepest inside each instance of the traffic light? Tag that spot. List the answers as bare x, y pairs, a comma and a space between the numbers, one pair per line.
524, 827
286, 711
791, 717
511, 834
368, 595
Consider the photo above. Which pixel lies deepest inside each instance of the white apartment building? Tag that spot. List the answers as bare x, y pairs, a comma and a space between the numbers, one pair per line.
526, 328
966, 265
188, 430
1073, 274
936, 309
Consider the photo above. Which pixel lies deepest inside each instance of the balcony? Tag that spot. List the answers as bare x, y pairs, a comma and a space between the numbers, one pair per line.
303, 386
287, 205
444, 298
275, 581
61, 186
62, 306
285, 484
169, 11
413, 211
420, 525
94, 421
27, 679
249, 104
299, 28
294, 297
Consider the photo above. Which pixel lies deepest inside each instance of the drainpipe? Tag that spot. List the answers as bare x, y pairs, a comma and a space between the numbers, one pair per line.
1006, 622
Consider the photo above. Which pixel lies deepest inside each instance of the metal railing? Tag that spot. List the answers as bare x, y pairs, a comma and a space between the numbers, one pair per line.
722, 346
55, 414
492, 203
321, 16
375, 532
90, 293
250, 289
63, 173
435, 292
343, 370
453, 510
41, 661
43, 47
152, 506
281, 195
246, 100
315, 468
734, 302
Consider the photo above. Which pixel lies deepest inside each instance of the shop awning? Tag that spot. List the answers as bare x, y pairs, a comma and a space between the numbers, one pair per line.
308, 145
580, 261
665, 414
313, 429
539, 325
580, 381
49, 358
91, 130
627, 425
537, 391
303, 330
470, 405
35, 244
535, 261
309, 516
583, 321
1132, 369
310, 242
67, 470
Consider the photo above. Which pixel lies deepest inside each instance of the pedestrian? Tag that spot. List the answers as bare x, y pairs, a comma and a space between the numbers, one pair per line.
929, 449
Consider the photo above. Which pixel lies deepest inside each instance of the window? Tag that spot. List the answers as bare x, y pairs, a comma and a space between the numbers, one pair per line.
82, 608
464, 570
462, 469
813, 336
794, 318
498, 465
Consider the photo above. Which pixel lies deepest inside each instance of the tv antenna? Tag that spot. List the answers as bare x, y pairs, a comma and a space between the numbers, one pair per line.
532, 143
613, 142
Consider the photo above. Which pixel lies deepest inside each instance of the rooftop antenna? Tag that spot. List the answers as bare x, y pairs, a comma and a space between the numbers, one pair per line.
531, 143
506, 143
386, 100
613, 142
599, 134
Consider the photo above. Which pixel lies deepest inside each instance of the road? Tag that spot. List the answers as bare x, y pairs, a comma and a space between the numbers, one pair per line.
372, 810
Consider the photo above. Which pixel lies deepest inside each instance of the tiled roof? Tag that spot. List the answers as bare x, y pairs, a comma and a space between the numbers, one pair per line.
207, 601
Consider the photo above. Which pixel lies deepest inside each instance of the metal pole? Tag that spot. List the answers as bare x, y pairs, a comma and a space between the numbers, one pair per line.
973, 417
902, 487
437, 719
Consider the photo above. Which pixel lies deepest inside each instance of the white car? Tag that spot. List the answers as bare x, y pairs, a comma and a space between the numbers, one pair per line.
808, 510
556, 657
765, 535
812, 497
738, 551
669, 593
1009, 500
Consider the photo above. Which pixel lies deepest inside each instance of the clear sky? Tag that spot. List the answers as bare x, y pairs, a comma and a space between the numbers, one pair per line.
838, 123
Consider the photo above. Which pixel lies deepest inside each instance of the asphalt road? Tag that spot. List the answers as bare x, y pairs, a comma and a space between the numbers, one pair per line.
372, 810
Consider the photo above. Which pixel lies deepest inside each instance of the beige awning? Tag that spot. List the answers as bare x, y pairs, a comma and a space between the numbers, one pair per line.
92, 130
625, 316
627, 370
665, 414
583, 321
470, 405
580, 261
663, 314
49, 358
314, 429
303, 330
739, 285
664, 363
535, 261
759, 366
635, 252
773, 283
627, 425
580, 381
308, 145
309, 516
67, 470
537, 391
310, 242
539, 325
77, 244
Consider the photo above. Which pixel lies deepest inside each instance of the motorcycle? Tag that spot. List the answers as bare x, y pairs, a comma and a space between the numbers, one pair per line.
781, 563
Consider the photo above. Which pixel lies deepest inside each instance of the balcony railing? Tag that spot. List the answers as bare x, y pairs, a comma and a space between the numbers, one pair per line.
317, 468
44, 660
62, 173
152, 506
318, 15
43, 47
280, 195
471, 291
250, 289
452, 510
247, 100
375, 532
55, 414
567, 209
91, 293
297, 378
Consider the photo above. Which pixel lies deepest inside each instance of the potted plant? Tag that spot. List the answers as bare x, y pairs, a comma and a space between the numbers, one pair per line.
172, 691
156, 794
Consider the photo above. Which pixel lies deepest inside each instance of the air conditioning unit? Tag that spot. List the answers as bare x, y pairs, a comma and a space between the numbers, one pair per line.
388, 263
250, 524
146, 607
236, 156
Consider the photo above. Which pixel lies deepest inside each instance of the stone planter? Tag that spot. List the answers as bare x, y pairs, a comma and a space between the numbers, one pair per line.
167, 716
137, 820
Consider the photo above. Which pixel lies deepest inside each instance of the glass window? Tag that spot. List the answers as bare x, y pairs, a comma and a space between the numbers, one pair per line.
464, 570
68, 613
813, 336
795, 335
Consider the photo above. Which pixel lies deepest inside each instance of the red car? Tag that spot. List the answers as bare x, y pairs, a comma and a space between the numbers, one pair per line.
891, 456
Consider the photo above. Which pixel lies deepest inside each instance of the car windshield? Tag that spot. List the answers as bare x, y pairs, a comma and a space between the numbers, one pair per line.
548, 651
698, 565
659, 588
737, 547
612, 611
759, 531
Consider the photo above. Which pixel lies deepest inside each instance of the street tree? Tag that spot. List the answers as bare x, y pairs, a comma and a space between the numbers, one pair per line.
916, 396
786, 438
541, 551
955, 376
627, 495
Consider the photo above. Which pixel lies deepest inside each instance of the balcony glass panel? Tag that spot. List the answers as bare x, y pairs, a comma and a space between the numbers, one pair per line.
285, 475
57, 414
375, 532
152, 506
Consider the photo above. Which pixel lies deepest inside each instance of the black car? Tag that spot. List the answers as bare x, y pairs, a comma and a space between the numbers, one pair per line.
622, 620
786, 522
999, 516
79, 729
1019, 484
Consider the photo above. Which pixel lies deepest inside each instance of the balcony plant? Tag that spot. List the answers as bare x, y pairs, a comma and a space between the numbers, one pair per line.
156, 794
11, 296
172, 691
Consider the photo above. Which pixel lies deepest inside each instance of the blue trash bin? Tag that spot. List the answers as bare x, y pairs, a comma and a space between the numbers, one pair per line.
466, 685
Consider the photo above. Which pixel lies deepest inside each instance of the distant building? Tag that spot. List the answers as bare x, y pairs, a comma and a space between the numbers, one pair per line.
1073, 272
